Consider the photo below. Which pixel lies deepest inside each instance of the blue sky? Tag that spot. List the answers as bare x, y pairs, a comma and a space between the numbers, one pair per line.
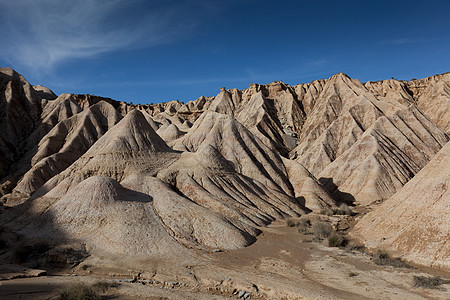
152, 51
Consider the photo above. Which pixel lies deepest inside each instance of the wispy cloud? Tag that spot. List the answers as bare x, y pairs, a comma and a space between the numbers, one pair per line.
39, 34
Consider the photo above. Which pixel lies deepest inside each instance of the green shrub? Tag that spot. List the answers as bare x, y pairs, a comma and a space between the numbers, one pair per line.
429, 282
79, 292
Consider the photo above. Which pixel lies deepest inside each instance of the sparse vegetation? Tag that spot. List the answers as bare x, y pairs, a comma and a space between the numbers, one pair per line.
336, 240
103, 286
83, 291
326, 211
429, 282
382, 258
304, 226
343, 209
321, 229
359, 248
290, 222
79, 292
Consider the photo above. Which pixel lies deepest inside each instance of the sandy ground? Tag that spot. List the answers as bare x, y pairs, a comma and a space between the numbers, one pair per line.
282, 264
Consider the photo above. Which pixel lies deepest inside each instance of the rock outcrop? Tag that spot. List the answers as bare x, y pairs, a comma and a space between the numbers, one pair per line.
414, 223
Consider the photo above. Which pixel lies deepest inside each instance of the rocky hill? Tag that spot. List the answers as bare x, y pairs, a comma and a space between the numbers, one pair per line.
169, 178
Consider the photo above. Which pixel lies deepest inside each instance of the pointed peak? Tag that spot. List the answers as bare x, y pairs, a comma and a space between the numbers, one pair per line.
132, 134
340, 76
8, 71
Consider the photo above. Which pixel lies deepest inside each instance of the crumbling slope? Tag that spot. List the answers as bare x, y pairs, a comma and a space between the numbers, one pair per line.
415, 221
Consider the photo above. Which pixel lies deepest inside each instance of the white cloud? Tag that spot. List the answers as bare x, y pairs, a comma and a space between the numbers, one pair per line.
39, 34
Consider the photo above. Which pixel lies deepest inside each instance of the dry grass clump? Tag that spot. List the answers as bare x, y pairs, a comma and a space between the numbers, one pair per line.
103, 286
321, 229
343, 209
336, 240
290, 222
382, 258
304, 226
429, 282
79, 292
83, 291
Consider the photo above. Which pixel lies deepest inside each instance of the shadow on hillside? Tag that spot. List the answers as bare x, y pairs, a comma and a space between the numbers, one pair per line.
29, 239
339, 196
45, 288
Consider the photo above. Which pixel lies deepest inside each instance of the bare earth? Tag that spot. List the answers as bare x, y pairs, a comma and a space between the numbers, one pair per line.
280, 265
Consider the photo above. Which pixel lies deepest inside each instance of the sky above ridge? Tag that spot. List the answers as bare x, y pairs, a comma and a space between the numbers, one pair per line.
152, 51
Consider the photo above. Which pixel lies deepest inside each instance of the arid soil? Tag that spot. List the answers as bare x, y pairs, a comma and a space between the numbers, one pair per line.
282, 264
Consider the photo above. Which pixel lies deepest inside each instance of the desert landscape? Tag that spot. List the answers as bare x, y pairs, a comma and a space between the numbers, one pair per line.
333, 189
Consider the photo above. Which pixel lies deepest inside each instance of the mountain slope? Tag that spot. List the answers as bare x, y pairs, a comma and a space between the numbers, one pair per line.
210, 173
414, 222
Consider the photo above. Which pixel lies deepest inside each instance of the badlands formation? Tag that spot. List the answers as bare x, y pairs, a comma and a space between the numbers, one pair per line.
117, 189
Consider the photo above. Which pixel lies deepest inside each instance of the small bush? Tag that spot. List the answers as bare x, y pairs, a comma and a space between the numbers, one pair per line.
336, 240
326, 211
382, 258
304, 226
103, 286
353, 274
290, 222
358, 248
79, 292
343, 209
429, 282
321, 229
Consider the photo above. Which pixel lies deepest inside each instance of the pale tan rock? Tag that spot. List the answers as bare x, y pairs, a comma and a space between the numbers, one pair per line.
435, 103
44, 93
83, 206
246, 152
307, 187
21, 109
170, 133
65, 143
385, 158
415, 221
